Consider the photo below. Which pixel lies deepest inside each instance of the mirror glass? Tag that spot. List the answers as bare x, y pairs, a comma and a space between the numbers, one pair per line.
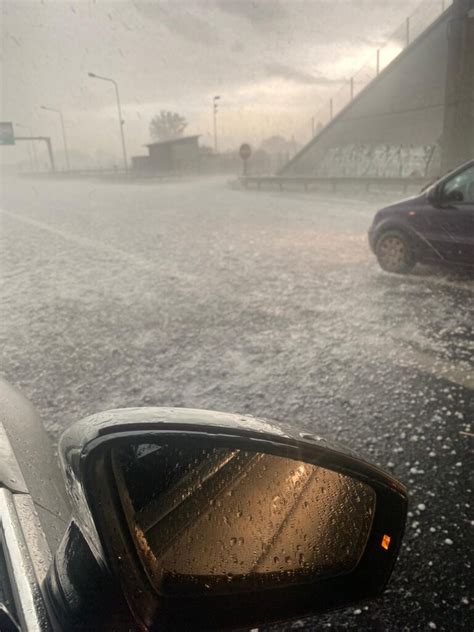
210, 519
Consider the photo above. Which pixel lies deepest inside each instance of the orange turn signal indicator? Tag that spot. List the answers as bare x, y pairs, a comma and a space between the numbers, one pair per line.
386, 542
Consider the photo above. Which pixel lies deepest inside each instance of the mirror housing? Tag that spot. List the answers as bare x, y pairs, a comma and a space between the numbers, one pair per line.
454, 196
85, 452
438, 197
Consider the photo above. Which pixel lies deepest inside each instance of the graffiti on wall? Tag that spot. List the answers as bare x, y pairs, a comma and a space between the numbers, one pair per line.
388, 161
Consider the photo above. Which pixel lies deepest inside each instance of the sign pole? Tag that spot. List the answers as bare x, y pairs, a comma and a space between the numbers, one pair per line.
245, 151
47, 140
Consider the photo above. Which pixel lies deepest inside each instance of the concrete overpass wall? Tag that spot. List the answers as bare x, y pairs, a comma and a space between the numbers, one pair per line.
394, 125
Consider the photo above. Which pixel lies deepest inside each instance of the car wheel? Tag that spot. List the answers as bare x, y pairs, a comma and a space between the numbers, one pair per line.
394, 252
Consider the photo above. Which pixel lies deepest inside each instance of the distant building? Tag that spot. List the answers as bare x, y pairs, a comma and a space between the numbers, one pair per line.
178, 155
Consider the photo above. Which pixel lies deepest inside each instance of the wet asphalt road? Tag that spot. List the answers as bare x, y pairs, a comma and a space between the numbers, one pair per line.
270, 304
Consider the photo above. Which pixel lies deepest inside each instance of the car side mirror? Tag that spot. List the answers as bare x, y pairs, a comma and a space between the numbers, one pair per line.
455, 195
214, 521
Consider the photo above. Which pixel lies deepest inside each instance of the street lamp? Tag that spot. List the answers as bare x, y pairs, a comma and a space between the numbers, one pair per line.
31, 147
121, 121
214, 103
66, 152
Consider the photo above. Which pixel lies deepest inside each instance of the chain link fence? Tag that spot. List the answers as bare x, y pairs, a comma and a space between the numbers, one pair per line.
413, 26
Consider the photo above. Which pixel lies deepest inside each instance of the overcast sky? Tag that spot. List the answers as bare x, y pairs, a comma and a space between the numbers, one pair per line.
275, 63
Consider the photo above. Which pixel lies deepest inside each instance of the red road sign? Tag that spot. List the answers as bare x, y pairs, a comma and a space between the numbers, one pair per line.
245, 151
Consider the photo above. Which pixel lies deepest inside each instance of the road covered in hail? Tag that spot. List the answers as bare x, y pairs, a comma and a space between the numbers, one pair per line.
200, 295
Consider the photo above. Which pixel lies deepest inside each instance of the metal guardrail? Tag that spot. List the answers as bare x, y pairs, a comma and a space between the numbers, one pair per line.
105, 174
308, 182
73, 173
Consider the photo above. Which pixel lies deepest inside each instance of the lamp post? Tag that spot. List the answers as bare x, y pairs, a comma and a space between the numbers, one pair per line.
119, 109
215, 107
66, 152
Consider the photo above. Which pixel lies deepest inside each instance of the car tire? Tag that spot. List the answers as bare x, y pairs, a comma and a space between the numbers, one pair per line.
394, 252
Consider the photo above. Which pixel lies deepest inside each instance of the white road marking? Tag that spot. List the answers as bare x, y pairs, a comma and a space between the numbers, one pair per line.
98, 246
460, 373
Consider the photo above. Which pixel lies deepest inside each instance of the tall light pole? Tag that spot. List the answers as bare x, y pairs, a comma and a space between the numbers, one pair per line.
119, 109
215, 107
66, 152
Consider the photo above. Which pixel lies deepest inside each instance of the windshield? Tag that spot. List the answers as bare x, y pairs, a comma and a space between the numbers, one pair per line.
189, 218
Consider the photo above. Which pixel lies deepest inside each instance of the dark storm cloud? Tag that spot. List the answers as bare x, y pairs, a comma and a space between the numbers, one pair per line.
176, 54
282, 71
339, 20
177, 18
260, 13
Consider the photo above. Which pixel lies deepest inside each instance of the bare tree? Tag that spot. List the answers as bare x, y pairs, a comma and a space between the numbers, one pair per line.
167, 125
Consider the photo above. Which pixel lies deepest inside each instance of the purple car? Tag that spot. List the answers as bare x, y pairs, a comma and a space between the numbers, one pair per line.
435, 226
